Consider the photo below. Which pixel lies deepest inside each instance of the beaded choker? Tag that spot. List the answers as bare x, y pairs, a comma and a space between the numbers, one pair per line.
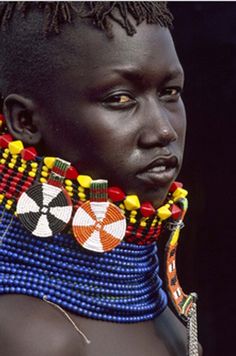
46, 208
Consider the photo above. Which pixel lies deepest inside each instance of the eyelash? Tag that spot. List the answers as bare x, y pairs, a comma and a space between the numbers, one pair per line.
170, 94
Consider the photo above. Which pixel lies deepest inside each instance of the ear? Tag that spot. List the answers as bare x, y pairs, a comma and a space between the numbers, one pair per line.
21, 119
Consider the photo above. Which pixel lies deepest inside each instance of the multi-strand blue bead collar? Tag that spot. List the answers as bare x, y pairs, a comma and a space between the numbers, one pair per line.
120, 286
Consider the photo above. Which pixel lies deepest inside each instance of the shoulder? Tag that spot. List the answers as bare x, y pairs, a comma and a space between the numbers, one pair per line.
31, 327
173, 332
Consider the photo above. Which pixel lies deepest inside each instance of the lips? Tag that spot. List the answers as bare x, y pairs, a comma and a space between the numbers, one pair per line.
160, 171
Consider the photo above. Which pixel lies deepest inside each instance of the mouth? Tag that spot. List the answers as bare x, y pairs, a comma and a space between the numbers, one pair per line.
159, 172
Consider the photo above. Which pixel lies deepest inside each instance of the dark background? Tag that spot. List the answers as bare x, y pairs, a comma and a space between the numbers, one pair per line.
205, 37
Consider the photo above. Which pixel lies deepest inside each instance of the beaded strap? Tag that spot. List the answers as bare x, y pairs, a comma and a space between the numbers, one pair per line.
184, 304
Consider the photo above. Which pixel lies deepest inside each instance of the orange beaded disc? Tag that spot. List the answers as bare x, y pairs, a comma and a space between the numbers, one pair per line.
99, 226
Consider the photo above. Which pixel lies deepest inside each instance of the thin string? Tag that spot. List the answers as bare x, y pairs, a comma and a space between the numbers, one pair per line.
69, 318
8, 226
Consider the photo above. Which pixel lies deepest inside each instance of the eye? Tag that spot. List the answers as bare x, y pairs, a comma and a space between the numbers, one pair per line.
119, 100
170, 94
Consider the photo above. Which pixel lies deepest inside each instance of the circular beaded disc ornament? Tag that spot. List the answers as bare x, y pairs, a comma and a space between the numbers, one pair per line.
99, 226
44, 209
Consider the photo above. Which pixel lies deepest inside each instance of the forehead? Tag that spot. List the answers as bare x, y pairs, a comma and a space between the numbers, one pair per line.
91, 52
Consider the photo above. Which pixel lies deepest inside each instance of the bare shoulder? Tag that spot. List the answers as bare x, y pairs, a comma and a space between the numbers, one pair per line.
173, 333
31, 327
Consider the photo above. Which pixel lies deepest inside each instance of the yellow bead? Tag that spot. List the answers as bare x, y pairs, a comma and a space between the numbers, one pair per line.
121, 206
84, 181
171, 202
6, 150
32, 174
1, 196
45, 169
44, 174
175, 237
15, 147
82, 196
69, 189
133, 220
2, 161
13, 160
14, 156
132, 202
143, 223
180, 193
5, 155
70, 194
49, 161
133, 213
11, 165
34, 164
21, 169
68, 182
23, 160
81, 189
43, 180
163, 212
9, 202
34, 170
8, 207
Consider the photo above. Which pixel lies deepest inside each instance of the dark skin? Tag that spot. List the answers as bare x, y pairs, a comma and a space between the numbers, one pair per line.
113, 125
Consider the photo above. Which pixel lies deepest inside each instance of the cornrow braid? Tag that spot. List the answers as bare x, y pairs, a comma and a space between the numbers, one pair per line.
102, 13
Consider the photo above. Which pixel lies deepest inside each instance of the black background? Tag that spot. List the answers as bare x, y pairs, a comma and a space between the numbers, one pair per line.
205, 38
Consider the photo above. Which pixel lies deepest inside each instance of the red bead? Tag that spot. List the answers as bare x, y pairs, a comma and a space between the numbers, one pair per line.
29, 153
130, 228
176, 212
11, 189
4, 140
147, 209
116, 194
71, 173
175, 185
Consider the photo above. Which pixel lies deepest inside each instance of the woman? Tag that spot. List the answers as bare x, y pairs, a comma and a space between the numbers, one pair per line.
104, 95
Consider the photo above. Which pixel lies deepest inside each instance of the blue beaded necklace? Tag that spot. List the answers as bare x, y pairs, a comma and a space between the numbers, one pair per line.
120, 286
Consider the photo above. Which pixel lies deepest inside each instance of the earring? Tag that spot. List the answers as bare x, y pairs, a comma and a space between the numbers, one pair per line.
99, 225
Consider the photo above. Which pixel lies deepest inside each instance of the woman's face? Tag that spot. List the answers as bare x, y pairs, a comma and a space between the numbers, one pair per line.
118, 112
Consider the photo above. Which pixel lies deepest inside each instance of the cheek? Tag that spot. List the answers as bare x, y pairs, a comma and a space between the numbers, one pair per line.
179, 121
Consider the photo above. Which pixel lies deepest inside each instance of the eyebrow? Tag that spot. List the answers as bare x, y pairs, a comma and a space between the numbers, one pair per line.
134, 74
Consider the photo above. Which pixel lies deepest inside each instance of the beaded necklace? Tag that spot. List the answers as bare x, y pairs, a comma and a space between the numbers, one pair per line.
121, 285
20, 168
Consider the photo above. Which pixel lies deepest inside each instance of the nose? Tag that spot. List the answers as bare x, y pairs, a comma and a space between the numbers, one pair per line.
156, 129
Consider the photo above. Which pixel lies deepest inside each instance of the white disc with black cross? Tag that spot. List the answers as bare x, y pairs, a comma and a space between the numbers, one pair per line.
44, 209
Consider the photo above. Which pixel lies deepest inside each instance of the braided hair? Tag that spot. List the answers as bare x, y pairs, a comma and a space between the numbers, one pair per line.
102, 13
